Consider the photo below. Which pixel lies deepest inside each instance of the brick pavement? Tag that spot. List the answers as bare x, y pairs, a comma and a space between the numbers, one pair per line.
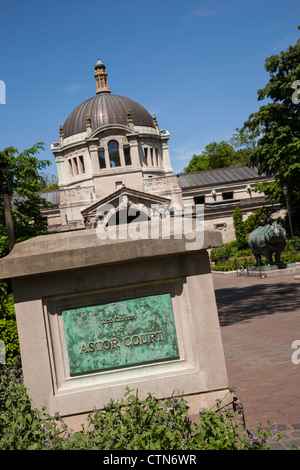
260, 319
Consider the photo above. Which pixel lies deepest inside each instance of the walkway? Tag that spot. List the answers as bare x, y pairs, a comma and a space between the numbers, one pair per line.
260, 320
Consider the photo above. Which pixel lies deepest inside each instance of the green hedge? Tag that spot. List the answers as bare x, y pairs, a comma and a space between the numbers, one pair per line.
230, 249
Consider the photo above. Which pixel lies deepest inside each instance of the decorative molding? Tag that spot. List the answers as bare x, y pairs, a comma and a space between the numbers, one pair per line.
220, 226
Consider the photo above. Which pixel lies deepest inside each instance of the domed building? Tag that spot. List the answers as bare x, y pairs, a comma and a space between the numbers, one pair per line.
109, 143
111, 151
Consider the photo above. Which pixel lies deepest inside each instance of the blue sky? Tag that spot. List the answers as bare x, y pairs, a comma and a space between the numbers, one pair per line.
196, 64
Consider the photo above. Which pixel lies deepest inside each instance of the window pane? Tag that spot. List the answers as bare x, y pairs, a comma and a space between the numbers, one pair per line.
127, 156
151, 153
228, 195
101, 158
71, 168
199, 199
113, 150
76, 165
82, 167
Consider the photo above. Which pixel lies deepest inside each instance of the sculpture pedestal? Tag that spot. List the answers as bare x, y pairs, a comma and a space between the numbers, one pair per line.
270, 267
94, 316
271, 270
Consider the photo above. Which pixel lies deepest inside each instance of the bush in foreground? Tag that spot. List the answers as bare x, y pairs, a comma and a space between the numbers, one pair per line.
131, 424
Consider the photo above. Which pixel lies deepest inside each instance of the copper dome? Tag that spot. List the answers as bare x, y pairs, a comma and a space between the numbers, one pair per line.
104, 109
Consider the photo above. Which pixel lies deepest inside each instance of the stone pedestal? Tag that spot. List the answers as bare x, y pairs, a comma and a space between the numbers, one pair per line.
271, 270
96, 315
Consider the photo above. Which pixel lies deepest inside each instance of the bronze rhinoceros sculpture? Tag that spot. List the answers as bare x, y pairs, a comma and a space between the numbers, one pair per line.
268, 240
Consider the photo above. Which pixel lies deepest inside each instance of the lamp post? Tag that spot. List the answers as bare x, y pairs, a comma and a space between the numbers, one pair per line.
285, 192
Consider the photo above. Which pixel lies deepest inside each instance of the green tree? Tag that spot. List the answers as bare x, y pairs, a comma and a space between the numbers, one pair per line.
21, 172
243, 139
257, 219
276, 127
239, 227
217, 155
244, 144
47, 182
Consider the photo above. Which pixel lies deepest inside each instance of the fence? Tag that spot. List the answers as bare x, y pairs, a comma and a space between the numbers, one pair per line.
248, 268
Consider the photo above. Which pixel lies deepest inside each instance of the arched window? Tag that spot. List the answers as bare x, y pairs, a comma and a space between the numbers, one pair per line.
114, 156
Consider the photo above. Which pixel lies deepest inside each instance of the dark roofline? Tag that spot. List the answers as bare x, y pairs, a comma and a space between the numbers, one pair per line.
218, 169
223, 172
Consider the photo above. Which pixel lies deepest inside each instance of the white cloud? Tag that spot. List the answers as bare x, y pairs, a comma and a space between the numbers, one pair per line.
74, 88
210, 8
283, 44
181, 156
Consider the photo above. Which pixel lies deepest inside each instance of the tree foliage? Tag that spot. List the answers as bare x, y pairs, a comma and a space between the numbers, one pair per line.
276, 127
239, 227
21, 172
47, 182
218, 155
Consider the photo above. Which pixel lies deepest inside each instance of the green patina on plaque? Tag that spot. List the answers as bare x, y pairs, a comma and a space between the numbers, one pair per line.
120, 334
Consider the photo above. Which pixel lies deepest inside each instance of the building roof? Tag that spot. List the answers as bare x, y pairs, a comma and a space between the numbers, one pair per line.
234, 174
104, 109
52, 196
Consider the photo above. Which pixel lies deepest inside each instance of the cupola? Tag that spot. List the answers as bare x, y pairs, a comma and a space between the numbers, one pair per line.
101, 78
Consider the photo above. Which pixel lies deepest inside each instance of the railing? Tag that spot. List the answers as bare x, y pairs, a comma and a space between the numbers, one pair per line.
247, 268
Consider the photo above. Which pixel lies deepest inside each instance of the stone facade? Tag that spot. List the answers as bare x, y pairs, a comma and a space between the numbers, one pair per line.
115, 147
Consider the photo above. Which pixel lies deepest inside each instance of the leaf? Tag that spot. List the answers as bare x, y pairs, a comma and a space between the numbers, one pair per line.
34, 446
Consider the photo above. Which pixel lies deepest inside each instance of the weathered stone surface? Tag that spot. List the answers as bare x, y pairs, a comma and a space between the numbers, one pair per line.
53, 277
70, 250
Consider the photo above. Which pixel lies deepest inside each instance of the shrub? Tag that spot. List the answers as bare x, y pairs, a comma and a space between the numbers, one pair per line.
289, 245
216, 253
128, 424
239, 227
8, 325
228, 249
21, 427
258, 218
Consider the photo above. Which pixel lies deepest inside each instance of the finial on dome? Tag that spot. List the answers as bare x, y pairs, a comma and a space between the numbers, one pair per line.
129, 117
101, 78
61, 133
155, 120
99, 63
88, 124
